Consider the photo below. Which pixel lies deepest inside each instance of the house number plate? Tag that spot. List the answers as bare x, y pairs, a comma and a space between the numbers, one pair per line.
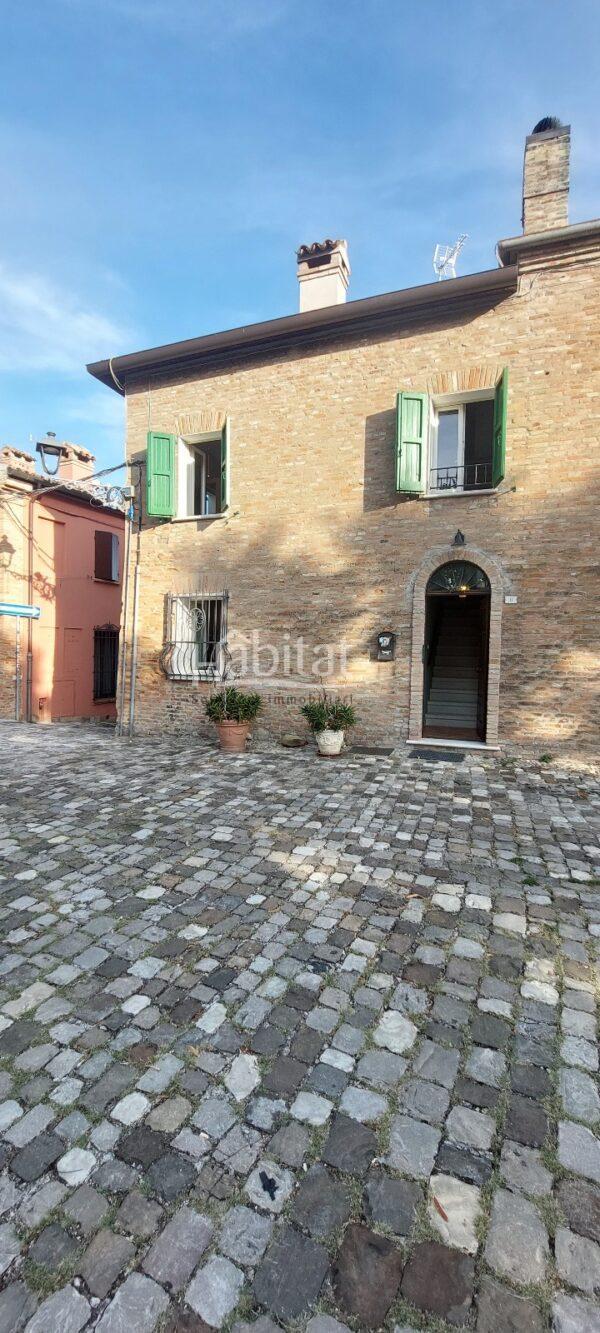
510, 601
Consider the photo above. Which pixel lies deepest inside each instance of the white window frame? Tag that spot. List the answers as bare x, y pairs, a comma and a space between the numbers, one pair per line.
181, 658
185, 467
452, 402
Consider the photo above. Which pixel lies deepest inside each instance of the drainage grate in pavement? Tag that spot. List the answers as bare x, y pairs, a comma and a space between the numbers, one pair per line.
373, 749
439, 756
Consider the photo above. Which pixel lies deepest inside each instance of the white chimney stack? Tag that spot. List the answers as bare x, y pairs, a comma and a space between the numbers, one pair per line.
323, 274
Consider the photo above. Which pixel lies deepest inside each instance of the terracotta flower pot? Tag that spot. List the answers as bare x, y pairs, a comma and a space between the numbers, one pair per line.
329, 742
233, 736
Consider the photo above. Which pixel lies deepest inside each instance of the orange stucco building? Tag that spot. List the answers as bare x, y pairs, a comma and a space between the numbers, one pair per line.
61, 549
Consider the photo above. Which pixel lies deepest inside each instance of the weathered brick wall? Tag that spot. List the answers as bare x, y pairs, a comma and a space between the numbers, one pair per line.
317, 542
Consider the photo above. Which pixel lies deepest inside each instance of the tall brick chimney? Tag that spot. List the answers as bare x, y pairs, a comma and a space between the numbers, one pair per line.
323, 274
546, 176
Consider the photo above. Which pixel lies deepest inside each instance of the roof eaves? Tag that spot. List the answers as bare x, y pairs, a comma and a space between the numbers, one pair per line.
372, 314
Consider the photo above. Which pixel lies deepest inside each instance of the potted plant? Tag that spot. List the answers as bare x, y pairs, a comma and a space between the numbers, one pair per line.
329, 719
232, 711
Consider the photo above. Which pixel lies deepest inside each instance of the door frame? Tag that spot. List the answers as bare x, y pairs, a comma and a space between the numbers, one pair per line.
499, 585
483, 599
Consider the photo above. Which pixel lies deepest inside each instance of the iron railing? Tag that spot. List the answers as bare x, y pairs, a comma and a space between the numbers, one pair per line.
466, 477
197, 645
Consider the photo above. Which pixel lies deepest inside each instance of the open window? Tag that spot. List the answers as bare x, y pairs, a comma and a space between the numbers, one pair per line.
453, 443
199, 477
188, 476
461, 445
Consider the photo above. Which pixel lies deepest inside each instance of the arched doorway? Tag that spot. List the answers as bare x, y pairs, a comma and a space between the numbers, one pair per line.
456, 652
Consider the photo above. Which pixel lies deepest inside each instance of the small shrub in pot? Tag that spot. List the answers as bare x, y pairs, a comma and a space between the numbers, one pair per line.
329, 719
233, 712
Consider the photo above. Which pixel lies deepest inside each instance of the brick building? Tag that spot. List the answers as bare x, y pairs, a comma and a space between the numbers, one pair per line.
61, 549
421, 463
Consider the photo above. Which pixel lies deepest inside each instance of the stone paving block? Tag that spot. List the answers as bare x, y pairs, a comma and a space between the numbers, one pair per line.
66, 1310
517, 1242
35, 1207
392, 1203
572, 1314
579, 1094
424, 1101
290, 1144
413, 1146
577, 1260
500, 1310
170, 1176
366, 1275
245, 1235
138, 1216
291, 1275
138, 1304
580, 1204
17, 1305
269, 1186
104, 1261
453, 1209
215, 1290
322, 1203
9, 1246
578, 1150
437, 1065
87, 1208
349, 1146
474, 1129
32, 1161
52, 1246
174, 1255
440, 1282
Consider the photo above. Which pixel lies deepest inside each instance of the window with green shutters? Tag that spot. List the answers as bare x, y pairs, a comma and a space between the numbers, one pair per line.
452, 443
187, 477
160, 475
225, 465
499, 445
412, 417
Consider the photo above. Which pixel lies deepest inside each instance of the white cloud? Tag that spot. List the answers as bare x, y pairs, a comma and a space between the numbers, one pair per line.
95, 418
44, 328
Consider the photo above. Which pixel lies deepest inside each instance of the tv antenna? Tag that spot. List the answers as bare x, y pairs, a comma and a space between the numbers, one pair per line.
445, 257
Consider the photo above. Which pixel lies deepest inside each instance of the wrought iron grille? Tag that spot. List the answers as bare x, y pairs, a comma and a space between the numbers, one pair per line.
459, 576
197, 645
106, 660
467, 477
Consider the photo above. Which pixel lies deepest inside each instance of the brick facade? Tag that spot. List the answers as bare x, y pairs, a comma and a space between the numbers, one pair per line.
317, 542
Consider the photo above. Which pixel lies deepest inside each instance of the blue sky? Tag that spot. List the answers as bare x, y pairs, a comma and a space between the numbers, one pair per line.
161, 160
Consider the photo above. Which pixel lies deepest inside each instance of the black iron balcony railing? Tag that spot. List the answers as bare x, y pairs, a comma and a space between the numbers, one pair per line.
466, 477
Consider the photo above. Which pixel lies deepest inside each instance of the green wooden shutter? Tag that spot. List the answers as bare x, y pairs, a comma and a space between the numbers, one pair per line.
225, 465
412, 417
160, 475
499, 451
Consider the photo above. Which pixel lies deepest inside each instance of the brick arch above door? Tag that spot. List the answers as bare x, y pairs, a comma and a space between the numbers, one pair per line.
499, 586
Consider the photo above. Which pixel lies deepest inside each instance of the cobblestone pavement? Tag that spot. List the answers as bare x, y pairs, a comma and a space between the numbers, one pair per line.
296, 1044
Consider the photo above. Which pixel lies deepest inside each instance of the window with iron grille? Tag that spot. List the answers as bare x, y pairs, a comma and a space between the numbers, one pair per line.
197, 636
106, 661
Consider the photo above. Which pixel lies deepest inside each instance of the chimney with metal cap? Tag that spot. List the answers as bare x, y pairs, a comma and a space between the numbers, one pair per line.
546, 176
323, 274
